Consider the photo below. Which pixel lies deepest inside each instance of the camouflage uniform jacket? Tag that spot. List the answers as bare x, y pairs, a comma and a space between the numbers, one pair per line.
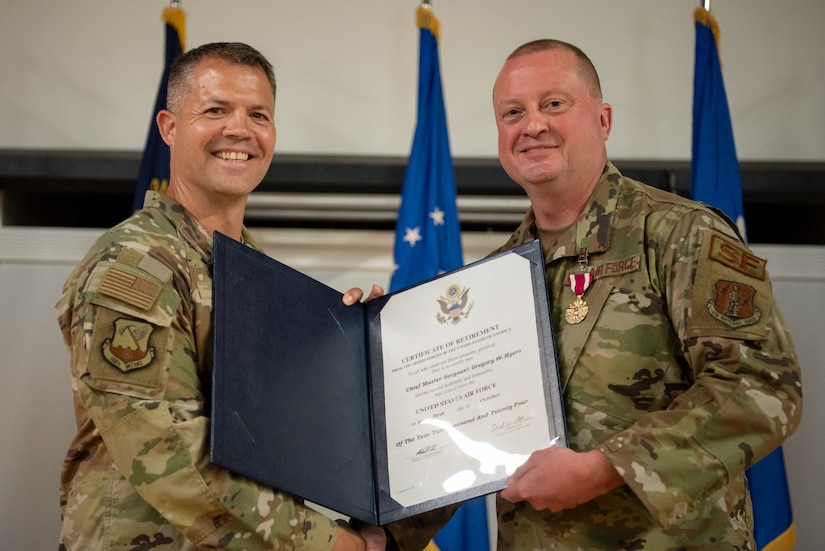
135, 316
682, 373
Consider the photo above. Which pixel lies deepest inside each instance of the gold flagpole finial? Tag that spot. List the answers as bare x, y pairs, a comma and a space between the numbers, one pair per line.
426, 19
175, 16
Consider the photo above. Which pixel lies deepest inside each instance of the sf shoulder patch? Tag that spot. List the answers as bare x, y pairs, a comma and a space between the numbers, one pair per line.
734, 256
731, 295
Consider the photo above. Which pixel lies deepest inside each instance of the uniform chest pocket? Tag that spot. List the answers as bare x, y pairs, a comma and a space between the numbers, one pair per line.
627, 364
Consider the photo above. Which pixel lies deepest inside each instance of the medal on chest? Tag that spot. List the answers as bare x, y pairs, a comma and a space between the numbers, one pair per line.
579, 282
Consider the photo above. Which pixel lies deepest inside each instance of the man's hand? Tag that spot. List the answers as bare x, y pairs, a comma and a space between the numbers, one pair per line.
374, 536
355, 294
359, 537
558, 478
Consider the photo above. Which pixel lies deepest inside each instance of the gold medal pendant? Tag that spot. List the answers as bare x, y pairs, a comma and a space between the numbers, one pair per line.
577, 311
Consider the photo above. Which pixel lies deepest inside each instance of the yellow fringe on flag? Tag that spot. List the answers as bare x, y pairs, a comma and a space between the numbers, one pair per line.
426, 19
784, 542
706, 18
177, 18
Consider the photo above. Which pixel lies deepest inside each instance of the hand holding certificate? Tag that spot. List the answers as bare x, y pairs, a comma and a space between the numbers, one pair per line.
425, 397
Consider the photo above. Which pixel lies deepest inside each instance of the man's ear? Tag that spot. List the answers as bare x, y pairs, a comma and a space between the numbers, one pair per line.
606, 119
167, 123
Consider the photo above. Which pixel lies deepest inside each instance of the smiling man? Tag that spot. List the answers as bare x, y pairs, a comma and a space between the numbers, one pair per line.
552, 129
678, 372
220, 127
666, 386
136, 319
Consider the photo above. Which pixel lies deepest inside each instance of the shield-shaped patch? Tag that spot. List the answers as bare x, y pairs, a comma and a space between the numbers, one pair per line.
733, 304
128, 348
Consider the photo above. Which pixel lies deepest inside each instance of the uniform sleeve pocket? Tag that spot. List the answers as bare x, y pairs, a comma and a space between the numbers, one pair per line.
130, 327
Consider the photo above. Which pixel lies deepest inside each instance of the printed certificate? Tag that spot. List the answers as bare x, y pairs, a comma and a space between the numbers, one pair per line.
425, 397
462, 359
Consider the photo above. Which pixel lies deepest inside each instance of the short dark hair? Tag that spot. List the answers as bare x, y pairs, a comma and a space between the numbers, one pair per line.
586, 68
238, 53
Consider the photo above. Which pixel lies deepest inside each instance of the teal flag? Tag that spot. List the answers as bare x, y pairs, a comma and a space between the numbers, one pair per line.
715, 180
154, 165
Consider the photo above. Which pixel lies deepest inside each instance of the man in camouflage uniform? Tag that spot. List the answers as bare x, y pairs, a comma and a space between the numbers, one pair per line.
677, 370
135, 316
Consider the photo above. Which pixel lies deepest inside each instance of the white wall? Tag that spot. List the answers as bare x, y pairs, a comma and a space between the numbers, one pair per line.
36, 422
84, 74
36, 415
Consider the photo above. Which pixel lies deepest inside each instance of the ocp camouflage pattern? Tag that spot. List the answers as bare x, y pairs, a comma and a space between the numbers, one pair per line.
136, 319
683, 373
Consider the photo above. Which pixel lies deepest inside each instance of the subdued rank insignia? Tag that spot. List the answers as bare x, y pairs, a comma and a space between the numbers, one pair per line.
129, 349
454, 305
734, 304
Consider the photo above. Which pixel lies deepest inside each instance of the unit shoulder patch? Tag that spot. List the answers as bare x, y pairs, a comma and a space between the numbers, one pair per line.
125, 350
128, 347
734, 304
731, 292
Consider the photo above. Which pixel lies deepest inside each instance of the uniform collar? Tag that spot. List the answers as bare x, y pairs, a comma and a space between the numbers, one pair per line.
189, 228
592, 229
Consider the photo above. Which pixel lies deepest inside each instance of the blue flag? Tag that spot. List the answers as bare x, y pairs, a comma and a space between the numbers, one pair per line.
428, 235
466, 531
714, 169
154, 165
715, 180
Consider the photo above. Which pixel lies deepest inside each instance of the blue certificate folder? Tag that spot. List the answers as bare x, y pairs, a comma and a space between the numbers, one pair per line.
298, 393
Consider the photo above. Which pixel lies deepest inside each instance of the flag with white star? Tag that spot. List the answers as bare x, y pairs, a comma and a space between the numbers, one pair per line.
428, 235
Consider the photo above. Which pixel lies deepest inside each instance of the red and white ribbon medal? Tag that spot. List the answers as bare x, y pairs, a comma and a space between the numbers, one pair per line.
579, 282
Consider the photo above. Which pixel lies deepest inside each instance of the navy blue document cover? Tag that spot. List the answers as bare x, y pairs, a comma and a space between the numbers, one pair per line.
298, 385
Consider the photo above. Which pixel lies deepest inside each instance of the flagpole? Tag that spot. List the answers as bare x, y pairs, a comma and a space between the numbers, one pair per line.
154, 164
706, 4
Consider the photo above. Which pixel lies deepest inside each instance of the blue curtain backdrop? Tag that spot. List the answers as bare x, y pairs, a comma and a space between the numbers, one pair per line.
154, 165
715, 180
428, 235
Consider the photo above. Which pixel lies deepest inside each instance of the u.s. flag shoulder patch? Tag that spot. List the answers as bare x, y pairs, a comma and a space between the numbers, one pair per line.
127, 286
